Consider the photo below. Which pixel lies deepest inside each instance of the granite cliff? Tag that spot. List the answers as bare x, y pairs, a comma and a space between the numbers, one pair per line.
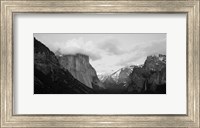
78, 65
150, 78
50, 77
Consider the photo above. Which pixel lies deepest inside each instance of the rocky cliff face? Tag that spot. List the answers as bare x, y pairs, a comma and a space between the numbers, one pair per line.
78, 65
151, 78
50, 77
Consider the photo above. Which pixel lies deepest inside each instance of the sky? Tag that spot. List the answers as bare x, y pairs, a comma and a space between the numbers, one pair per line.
108, 52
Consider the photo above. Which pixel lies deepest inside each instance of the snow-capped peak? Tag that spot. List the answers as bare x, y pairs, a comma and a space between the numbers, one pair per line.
118, 75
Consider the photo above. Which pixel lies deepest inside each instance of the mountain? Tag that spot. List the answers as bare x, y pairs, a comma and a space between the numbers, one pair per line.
116, 82
78, 65
147, 78
119, 77
102, 77
150, 78
50, 77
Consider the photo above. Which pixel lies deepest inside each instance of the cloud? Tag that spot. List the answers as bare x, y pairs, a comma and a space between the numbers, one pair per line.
132, 58
93, 56
111, 47
157, 47
77, 45
140, 52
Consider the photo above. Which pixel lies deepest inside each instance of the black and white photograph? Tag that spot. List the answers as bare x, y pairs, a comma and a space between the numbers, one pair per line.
100, 63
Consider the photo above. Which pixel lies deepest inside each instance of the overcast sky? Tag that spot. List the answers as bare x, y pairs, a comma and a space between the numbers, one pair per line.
107, 52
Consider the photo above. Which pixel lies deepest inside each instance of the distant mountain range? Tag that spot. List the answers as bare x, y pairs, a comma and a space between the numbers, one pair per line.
118, 77
73, 74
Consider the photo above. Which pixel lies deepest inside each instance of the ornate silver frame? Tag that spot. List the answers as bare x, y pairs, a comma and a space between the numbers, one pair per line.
190, 7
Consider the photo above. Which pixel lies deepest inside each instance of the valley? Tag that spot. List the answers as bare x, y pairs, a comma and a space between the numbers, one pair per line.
56, 73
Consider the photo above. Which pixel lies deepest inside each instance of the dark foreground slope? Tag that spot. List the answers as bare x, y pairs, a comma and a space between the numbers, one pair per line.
50, 78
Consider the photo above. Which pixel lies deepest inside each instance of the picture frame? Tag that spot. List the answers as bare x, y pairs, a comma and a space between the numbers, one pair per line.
191, 8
